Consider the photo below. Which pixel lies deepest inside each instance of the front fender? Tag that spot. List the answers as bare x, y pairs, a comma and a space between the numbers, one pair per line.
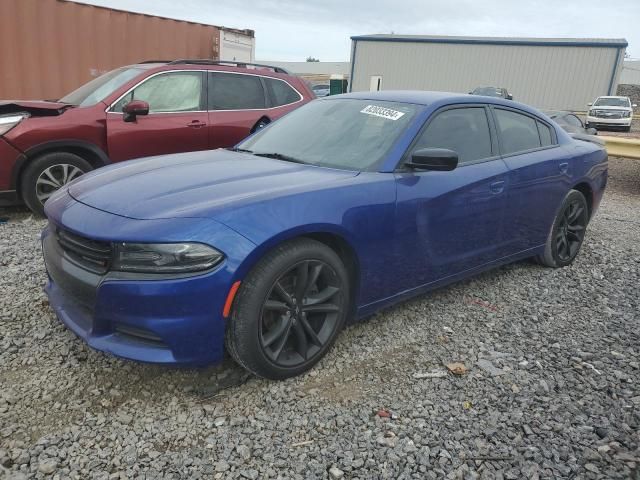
300, 231
360, 213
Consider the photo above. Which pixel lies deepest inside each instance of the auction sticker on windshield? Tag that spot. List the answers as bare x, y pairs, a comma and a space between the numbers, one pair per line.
382, 112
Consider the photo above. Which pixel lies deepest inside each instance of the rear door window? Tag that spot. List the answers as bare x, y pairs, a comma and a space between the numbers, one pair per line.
518, 132
281, 92
231, 91
463, 130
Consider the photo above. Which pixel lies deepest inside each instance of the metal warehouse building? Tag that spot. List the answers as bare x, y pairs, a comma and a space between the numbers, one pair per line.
553, 73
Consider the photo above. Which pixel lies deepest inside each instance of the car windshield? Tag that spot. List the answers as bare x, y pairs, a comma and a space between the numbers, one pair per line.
97, 89
342, 133
612, 102
488, 91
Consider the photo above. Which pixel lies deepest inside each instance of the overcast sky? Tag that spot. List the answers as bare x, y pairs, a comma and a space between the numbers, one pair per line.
291, 30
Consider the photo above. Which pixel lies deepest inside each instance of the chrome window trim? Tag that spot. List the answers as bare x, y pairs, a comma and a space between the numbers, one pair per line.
108, 109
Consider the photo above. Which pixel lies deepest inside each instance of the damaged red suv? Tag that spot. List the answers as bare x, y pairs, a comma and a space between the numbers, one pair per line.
152, 108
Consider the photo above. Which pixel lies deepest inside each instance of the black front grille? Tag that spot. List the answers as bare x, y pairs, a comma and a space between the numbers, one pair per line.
139, 335
92, 255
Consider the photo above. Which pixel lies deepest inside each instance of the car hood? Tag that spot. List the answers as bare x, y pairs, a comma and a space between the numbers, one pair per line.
608, 107
34, 107
196, 184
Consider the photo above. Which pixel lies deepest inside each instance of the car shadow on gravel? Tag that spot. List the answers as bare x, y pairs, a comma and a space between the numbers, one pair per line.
8, 214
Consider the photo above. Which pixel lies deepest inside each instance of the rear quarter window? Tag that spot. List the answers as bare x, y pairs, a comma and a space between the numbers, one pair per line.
546, 138
281, 92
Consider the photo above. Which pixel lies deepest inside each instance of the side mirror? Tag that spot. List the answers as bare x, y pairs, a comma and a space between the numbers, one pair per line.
509, 97
439, 159
634, 105
589, 104
592, 131
134, 108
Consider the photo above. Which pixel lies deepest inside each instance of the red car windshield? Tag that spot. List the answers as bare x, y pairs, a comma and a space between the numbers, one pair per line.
97, 89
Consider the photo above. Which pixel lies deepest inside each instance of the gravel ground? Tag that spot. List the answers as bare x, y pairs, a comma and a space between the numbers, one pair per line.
550, 389
610, 132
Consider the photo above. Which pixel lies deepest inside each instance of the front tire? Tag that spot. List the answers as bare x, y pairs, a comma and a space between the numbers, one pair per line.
48, 173
289, 310
567, 232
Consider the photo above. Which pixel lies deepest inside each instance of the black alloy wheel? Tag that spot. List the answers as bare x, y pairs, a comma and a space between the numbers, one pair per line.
571, 230
567, 232
300, 313
289, 309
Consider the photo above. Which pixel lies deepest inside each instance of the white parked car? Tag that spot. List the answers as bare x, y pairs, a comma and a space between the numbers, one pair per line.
610, 112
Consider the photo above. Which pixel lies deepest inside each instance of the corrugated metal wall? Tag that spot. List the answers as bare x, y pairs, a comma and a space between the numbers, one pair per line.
630, 72
553, 77
50, 47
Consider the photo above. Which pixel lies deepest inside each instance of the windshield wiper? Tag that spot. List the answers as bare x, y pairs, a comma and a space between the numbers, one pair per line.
281, 156
236, 149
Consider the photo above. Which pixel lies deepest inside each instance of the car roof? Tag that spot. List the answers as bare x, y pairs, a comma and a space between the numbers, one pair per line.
423, 97
217, 65
419, 97
612, 96
157, 66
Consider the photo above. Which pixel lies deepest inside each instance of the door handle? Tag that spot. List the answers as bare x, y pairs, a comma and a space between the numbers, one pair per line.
497, 187
564, 167
196, 124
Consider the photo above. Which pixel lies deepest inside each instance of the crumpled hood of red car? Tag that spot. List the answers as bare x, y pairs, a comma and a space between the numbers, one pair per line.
34, 107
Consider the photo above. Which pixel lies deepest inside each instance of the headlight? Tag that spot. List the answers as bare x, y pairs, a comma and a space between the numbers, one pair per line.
626, 114
165, 257
9, 121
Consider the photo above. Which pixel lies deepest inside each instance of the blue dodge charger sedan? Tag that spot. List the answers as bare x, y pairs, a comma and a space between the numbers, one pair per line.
345, 206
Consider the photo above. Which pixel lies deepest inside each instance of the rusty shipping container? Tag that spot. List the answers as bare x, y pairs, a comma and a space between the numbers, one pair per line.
51, 47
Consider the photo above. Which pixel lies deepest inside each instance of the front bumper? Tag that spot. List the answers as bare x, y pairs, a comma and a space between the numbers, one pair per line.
610, 122
9, 158
145, 318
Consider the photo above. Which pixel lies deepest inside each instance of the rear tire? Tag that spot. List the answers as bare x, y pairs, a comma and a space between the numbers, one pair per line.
46, 174
289, 310
567, 232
